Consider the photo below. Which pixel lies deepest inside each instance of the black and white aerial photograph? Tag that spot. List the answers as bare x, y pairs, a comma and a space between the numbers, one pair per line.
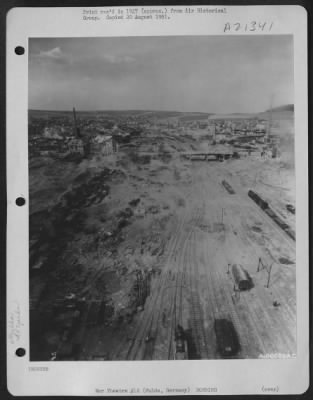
162, 198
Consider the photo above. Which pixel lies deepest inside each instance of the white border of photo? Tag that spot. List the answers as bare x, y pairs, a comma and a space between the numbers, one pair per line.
203, 377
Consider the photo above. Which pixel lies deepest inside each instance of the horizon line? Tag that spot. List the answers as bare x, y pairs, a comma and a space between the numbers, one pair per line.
165, 111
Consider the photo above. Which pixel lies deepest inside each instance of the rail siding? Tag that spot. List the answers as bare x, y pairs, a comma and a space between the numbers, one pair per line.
267, 209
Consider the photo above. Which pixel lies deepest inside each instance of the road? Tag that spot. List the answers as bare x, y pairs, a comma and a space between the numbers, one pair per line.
194, 288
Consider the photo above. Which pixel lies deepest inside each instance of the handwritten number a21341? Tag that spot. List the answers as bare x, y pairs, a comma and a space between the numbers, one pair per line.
252, 26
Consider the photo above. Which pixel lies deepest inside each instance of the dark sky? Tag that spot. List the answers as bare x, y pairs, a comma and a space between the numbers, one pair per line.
219, 74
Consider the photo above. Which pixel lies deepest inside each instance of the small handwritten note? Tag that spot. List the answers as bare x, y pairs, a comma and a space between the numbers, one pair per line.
15, 324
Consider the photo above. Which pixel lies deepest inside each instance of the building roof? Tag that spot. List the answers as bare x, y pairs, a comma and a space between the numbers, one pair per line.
75, 139
102, 138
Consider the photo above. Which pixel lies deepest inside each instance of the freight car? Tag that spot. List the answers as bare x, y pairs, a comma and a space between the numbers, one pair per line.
226, 338
271, 213
277, 220
291, 208
227, 186
260, 202
241, 277
181, 345
290, 232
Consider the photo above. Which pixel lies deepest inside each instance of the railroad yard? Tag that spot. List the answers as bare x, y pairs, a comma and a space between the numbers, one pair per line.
156, 251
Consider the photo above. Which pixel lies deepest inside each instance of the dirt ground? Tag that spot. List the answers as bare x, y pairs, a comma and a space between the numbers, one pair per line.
171, 221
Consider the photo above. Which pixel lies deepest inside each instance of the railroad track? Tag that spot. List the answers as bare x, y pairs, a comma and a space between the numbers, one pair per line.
263, 215
264, 319
181, 238
185, 278
148, 327
181, 270
177, 311
259, 320
196, 312
220, 298
178, 276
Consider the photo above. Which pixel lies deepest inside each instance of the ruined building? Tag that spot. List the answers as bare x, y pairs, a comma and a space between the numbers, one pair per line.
211, 132
77, 145
103, 145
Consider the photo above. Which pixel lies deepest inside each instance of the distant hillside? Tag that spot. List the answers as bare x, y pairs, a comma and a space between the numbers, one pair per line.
184, 116
286, 107
284, 112
193, 116
233, 116
281, 113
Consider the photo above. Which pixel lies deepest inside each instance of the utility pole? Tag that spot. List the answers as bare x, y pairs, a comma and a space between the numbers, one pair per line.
75, 122
76, 129
280, 183
269, 270
270, 119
